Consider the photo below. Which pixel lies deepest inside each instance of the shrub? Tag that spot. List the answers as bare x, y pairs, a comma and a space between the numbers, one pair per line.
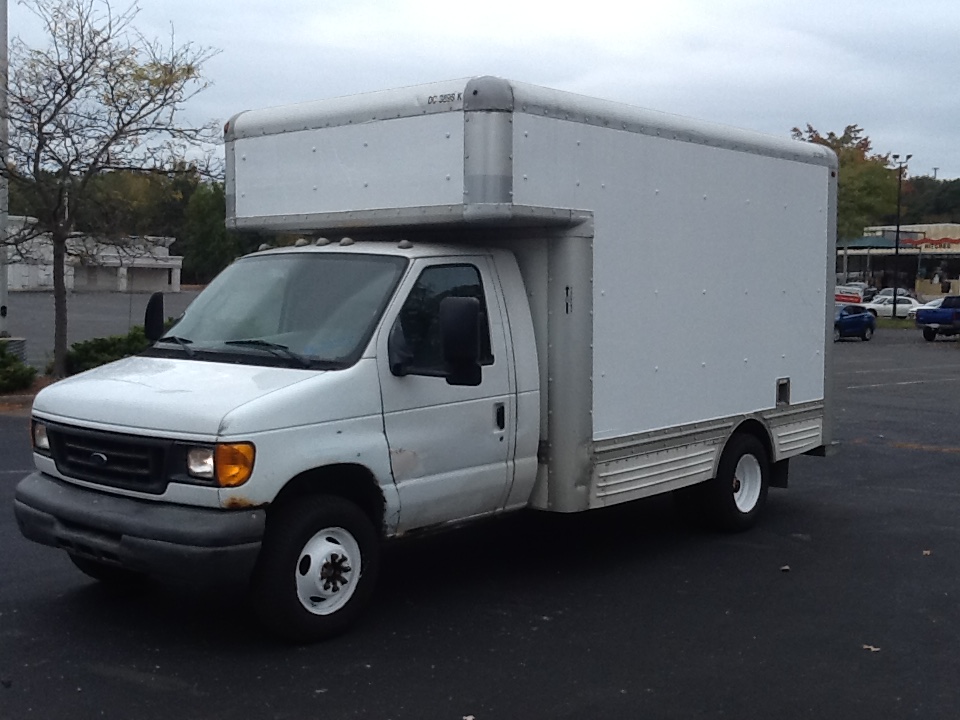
14, 373
100, 351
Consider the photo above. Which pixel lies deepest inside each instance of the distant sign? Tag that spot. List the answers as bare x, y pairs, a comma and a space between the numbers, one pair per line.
842, 293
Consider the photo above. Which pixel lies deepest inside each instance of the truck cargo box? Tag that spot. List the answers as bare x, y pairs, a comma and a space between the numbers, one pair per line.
678, 271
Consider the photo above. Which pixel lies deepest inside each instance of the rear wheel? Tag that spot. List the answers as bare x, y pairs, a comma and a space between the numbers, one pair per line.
317, 568
736, 496
929, 334
836, 334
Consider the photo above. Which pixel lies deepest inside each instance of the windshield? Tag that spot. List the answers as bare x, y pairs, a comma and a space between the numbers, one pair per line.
298, 309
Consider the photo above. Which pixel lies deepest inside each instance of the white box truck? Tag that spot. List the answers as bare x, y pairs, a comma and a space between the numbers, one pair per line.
503, 297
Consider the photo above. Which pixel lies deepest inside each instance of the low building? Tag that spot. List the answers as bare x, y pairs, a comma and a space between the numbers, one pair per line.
927, 260
131, 264
925, 231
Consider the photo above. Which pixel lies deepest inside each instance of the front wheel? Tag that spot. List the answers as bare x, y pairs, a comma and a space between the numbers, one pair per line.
736, 496
317, 568
867, 334
929, 334
836, 334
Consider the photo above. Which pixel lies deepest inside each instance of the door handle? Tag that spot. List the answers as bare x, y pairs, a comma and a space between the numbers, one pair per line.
501, 415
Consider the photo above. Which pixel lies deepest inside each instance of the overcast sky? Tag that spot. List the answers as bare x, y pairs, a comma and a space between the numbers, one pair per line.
769, 65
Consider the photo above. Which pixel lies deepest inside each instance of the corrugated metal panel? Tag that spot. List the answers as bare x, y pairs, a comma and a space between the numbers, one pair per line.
684, 465
799, 437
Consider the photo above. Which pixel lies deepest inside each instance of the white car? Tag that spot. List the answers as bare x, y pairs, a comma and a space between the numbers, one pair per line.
912, 312
883, 306
888, 292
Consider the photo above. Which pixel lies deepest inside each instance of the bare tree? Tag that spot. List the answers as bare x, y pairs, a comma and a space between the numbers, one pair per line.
99, 98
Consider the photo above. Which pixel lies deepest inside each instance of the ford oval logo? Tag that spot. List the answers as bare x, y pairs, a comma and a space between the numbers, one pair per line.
98, 459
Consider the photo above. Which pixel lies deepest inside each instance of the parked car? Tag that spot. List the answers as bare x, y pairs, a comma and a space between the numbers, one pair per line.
883, 306
888, 292
933, 304
853, 321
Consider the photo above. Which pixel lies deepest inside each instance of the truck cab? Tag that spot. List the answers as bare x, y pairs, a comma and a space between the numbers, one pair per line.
328, 365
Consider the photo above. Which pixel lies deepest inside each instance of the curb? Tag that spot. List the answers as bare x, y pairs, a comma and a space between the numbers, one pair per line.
16, 402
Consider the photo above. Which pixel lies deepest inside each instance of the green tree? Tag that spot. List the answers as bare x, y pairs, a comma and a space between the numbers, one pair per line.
866, 186
206, 246
100, 99
128, 202
928, 200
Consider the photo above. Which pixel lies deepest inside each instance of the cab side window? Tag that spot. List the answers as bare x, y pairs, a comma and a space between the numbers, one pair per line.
419, 318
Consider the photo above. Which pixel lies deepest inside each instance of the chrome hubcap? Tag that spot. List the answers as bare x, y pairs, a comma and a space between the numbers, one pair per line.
328, 571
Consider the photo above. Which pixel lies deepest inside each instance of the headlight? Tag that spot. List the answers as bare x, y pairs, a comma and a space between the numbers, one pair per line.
200, 462
41, 443
229, 464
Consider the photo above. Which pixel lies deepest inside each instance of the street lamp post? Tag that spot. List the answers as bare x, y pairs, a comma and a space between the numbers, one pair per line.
896, 241
4, 65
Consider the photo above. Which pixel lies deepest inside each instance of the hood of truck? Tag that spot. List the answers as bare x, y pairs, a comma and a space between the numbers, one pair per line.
171, 396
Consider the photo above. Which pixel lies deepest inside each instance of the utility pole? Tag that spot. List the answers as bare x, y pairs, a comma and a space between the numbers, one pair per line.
4, 194
896, 253
935, 173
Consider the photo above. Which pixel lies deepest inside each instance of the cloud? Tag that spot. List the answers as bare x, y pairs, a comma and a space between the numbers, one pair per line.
889, 67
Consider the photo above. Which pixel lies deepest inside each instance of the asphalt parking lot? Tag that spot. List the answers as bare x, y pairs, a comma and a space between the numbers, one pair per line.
842, 603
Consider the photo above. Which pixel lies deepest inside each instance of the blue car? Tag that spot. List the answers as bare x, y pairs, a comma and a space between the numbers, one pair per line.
853, 321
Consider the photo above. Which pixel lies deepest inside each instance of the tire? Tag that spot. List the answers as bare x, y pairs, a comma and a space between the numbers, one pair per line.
873, 312
735, 498
317, 568
929, 334
867, 334
836, 334
111, 575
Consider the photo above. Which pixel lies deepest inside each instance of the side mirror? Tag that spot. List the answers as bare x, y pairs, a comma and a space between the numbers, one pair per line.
460, 336
153, 317
398, 352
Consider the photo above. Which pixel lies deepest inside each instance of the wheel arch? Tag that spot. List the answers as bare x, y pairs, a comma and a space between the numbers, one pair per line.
349, 481
749, 426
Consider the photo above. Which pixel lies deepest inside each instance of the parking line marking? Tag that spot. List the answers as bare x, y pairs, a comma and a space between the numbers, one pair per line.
895, 369
905, 382
15, 472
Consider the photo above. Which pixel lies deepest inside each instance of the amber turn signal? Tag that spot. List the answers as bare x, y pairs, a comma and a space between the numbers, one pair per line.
234, 463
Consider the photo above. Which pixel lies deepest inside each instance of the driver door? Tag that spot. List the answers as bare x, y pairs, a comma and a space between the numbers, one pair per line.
450, 446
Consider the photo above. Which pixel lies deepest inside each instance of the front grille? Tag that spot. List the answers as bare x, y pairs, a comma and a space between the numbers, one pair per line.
121, 461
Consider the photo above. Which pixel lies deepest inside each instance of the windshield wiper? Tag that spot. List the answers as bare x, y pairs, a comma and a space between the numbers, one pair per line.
275, 348
182, 342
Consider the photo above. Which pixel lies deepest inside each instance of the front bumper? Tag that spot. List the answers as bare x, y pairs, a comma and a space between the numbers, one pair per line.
194, 544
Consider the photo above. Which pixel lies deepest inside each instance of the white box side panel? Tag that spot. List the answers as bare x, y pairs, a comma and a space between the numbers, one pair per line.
405, 162
709, 269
